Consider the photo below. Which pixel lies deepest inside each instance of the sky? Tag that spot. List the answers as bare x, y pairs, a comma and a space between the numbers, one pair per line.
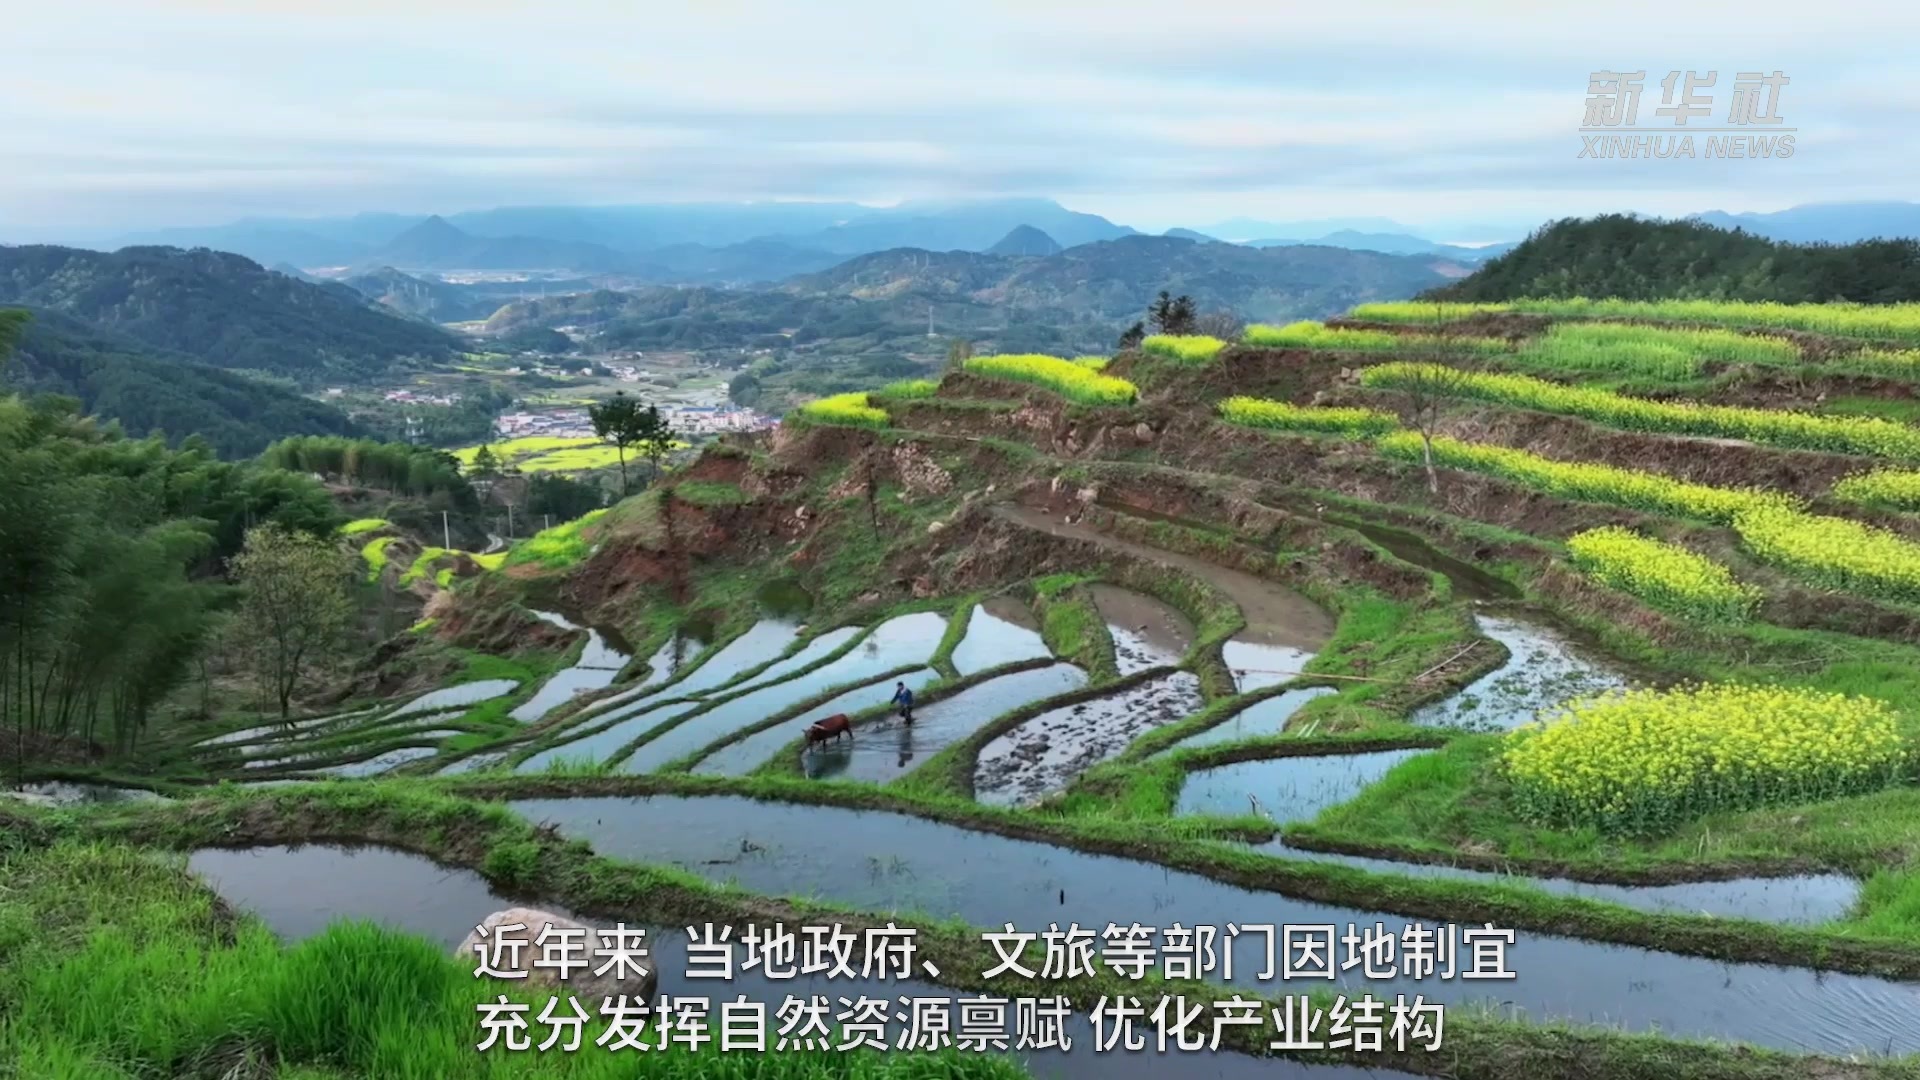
1458, 118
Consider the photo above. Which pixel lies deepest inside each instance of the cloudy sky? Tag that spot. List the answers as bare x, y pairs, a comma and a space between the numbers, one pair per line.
1449, 116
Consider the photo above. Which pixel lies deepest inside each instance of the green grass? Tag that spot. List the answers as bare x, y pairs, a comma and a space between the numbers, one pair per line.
1351, 423
557, 548
910, 389
709, 493
127, 972
855, 410
1626, 350
1308, 334
375, 554
1899, 322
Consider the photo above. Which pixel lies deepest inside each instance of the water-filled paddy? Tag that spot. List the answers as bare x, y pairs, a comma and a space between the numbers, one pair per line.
894, 749
753, 751
766, 640
1044, 754
812, 653
889, 862
1000, 631
1543, 669
1262, 719
1285, 789
1146, 633
455, 697
298, 892
599, 664
382, 762
907, 639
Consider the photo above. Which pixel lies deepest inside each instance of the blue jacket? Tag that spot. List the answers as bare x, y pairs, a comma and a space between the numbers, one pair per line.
903, 696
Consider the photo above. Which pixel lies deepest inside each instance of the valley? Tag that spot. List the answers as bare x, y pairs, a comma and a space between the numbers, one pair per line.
1537, 614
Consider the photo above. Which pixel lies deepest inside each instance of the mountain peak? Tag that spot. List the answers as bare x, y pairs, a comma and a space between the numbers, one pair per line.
1025, 240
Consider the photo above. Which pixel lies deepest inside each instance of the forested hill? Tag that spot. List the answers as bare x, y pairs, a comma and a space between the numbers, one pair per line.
1638, 259
220, 308
149, 390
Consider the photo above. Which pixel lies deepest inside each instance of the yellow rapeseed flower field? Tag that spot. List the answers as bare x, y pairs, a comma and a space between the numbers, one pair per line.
1665, 575
1281, 416
1075, 382
854, 408
1187, 348
1642, 761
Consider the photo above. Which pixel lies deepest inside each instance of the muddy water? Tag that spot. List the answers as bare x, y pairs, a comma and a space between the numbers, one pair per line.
1000, 631
455, 697
1285, 789
61, 793
1045, 754
907, 639
887, 862
1469, 581
298, 892
599, 664
1275, 615
753, 751
474, 763
1543, 670
1262, 719
1256, 666
893, 750
1146, 633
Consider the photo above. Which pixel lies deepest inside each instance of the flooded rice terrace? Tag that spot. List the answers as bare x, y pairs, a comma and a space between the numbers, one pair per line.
883, 862
1146, 633
1043, 755
1000, 631
891, 750
599, 664
1285, 789
298, 892
1543, 670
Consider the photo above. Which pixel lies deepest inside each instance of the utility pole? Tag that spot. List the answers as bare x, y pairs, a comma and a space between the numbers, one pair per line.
446, 532
509, 521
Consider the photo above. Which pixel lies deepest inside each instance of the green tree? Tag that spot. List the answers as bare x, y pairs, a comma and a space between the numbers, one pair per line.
485, 465
1133, 336
294, 606
619, 420
656, 437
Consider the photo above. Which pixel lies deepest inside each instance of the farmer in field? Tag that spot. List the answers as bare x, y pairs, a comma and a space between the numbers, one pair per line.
903, 697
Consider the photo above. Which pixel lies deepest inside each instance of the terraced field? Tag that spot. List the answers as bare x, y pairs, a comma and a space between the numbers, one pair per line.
1182, 661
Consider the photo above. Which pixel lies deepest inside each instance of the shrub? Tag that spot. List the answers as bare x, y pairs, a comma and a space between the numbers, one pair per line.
1189, 349
855, 409
1799, 431
1642, 761
1665, 575
1072, 381
1280, 416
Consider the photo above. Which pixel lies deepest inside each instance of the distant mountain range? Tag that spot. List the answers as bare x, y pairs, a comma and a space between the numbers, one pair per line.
1825, 223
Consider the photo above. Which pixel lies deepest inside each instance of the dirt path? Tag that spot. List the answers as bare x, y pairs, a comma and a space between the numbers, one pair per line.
1275, 615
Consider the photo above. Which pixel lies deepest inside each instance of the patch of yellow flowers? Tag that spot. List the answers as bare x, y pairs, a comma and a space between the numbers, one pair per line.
1895, 489
1308, 334
1281, 416
1793, 430
1586, 482
855, 409
1837, 552
1186, 348
1665, 575
1075, 382
1640, 762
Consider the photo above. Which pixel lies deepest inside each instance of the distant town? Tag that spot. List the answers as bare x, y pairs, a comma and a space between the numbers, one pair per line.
686, 419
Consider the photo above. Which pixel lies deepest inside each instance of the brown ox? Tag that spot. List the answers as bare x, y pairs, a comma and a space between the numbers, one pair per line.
829, 730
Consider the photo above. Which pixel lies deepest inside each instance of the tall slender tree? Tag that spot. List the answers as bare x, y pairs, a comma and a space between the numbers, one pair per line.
619, 420
294, 606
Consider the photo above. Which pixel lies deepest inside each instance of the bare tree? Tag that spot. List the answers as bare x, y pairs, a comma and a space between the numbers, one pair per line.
1224, 325
1425, 388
